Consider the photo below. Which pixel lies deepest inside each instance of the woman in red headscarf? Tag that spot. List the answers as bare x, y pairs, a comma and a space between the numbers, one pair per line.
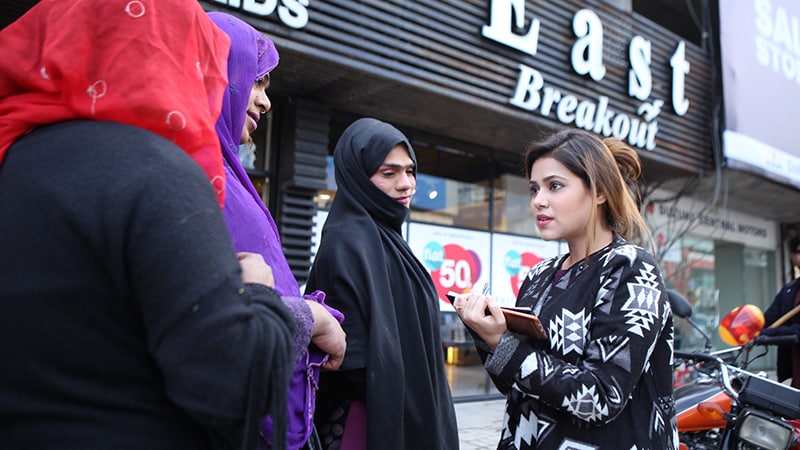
126, 320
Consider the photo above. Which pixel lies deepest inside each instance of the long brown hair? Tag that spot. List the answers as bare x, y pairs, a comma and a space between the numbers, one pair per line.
606, 166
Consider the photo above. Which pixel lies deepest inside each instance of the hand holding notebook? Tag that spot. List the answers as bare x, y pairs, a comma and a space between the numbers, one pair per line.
518, 320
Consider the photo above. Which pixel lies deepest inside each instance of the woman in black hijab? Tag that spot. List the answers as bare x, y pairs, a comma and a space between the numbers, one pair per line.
394, 364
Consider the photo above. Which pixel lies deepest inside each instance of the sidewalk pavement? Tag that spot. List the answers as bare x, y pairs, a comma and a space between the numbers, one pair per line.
480, 423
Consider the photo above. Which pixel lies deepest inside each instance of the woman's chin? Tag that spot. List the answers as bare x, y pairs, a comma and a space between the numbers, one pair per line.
548, 235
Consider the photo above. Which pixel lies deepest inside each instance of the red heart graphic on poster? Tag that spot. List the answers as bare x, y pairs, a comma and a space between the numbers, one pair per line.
459, 271
528, 261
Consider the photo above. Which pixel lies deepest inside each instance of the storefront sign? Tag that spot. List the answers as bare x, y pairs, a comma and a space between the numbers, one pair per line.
693, 218
586, 58
512, 259
292, 13
457, 259
760, 57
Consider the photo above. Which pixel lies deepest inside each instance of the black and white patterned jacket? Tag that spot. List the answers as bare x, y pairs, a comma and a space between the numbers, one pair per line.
604, 378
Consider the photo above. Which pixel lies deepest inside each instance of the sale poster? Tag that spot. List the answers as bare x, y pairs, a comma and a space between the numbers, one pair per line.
457, 259
512, 259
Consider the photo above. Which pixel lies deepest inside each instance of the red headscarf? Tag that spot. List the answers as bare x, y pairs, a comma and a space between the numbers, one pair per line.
153, 64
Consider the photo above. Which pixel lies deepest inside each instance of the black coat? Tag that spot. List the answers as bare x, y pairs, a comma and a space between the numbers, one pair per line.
781, 304
394, 350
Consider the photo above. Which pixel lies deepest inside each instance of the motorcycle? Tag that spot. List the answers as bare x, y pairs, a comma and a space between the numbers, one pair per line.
725, 406
759, 414
696, 383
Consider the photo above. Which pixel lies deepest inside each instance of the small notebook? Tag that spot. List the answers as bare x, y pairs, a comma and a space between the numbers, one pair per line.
520, 320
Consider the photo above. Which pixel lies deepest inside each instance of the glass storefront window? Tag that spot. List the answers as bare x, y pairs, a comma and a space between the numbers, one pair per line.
688, 268
450, 202
513, 206
691, 268
453, 186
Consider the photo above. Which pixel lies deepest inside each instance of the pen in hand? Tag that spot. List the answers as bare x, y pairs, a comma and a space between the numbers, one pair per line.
485, 291
452, 295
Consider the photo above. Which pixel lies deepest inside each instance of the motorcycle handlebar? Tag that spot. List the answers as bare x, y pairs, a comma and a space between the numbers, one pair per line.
698, 355
725, 368
695, 356
775, 340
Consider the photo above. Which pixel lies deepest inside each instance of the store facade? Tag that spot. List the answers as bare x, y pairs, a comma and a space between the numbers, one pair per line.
471, 82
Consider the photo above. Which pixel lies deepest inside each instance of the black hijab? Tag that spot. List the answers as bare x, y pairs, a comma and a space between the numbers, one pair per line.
390, 303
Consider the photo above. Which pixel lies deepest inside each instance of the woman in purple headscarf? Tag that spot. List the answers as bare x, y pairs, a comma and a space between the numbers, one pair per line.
252, 56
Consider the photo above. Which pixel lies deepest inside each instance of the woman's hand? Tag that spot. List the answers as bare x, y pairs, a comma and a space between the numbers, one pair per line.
255, 270
483, 315
327, 335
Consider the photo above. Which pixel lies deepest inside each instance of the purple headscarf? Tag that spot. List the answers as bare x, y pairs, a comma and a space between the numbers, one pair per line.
249, 222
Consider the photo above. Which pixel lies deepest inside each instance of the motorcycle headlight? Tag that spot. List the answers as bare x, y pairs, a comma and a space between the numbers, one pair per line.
765, 432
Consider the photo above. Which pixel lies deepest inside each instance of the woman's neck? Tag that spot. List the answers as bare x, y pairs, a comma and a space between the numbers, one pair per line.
577, 249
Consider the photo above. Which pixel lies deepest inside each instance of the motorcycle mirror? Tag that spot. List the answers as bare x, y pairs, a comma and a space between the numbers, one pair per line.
683, 309
680, 306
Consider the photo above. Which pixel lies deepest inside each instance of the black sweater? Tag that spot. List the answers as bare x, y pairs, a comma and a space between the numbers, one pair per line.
124, 323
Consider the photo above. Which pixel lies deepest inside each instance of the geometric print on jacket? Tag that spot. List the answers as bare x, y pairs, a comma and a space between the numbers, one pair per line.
603, 379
